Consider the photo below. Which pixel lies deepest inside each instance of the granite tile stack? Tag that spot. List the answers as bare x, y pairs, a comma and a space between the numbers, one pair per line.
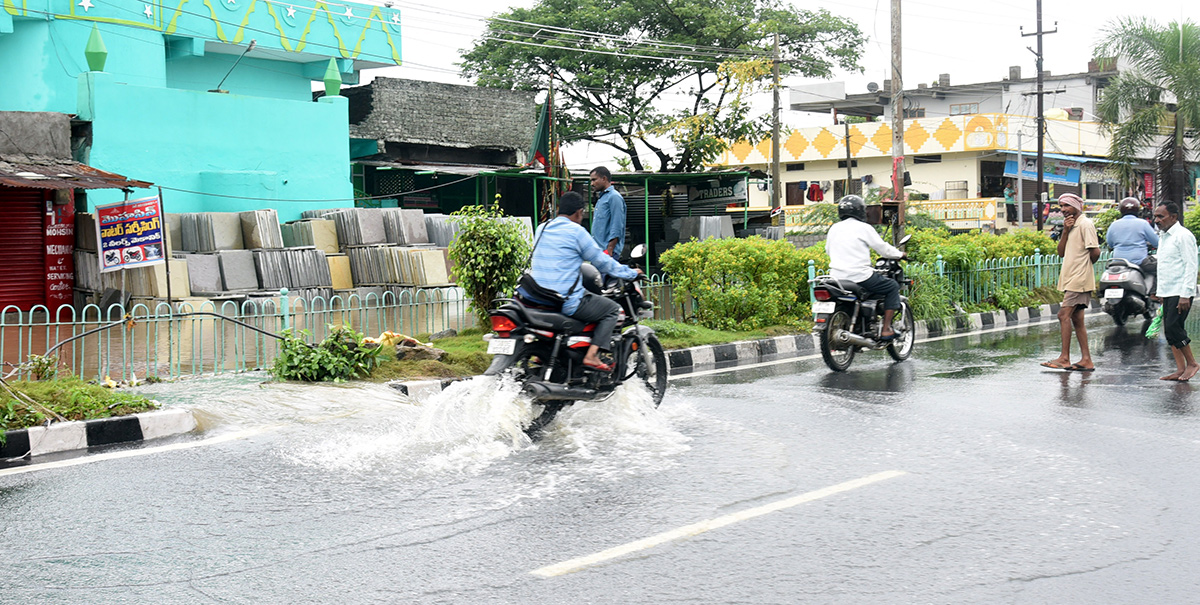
204, 274
705, 227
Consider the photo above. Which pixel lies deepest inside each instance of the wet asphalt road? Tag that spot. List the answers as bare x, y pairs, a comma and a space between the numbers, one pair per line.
1020, 485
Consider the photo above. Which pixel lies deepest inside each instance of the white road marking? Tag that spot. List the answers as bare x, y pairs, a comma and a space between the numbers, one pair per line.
763, 364
694, 529
17, 470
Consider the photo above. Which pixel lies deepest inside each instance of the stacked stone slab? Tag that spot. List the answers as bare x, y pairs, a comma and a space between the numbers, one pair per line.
405, 227
319, 233
204, 274
292, 268
260, 229
211, 231
440, 229
705, 227
359, 226
238, 272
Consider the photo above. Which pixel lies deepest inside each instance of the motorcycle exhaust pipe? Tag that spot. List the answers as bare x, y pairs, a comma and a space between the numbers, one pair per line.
847, 339
544, 391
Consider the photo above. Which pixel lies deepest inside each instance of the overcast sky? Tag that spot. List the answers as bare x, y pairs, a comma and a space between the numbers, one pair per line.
971, 41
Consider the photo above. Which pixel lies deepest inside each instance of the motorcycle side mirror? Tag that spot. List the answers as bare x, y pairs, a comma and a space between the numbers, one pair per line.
639, 251
904, 240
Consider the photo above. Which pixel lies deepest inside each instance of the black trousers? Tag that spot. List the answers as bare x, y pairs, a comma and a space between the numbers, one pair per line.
887, 288
595, 308
1173, 323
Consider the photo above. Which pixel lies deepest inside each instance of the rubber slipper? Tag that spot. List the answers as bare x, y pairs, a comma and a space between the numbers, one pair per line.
1054, 366
1078, 368
604, 367
889, 338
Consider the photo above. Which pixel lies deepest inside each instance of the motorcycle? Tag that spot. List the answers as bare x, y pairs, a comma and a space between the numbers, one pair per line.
1125, 290
848, 319
543, 350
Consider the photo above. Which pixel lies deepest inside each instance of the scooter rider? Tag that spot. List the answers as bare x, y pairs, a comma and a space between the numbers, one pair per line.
1130, 237
849, 244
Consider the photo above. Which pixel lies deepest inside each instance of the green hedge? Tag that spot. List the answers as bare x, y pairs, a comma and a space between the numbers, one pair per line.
741, 284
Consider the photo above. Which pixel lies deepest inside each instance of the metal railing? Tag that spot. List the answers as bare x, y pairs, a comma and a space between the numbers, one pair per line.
169, 342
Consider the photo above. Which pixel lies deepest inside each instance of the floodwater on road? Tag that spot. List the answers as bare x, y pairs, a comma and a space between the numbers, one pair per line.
1011, 483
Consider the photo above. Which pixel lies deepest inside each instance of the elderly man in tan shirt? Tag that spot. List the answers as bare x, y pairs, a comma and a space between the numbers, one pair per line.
1079, 248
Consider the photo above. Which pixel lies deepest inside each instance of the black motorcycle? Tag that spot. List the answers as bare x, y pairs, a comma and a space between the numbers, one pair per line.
543, 350
848, 318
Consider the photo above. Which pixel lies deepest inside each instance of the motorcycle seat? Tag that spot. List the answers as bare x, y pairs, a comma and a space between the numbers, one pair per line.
555, 322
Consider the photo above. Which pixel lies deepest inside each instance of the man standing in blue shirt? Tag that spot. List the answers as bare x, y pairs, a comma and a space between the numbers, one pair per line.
608, 219
560, 247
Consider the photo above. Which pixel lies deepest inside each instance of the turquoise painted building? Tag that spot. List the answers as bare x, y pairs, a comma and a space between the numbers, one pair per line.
146, 101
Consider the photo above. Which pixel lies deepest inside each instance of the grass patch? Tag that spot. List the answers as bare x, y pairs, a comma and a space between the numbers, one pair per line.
72, 398
466, 354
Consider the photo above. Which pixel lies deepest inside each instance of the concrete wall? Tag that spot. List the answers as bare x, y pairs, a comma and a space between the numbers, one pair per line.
260, 148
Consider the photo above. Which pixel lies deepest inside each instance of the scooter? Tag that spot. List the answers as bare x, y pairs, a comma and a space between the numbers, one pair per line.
847, 319
1125, 290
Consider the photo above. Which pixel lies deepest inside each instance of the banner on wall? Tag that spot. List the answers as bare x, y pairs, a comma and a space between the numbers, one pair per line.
1063, 172
130, 234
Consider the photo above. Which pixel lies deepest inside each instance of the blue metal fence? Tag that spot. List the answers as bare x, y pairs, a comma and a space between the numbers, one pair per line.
171, 342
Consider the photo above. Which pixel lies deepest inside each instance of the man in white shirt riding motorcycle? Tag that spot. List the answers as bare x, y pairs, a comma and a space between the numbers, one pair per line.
849, 244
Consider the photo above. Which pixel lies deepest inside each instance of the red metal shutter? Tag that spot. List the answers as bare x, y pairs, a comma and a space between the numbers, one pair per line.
23, 249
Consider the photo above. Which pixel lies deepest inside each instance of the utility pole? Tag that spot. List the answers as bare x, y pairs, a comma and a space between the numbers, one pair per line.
897, 128
849, 177
1041, 110
776, 183
1020, 182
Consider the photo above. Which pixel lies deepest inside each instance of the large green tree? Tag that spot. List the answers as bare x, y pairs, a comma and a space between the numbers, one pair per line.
1154, 102
631, 73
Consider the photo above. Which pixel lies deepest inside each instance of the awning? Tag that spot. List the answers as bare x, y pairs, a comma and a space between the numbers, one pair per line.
41, 172
1059, 156
459, 169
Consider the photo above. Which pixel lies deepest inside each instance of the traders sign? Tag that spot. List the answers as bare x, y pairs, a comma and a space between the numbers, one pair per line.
723, 193
130, 234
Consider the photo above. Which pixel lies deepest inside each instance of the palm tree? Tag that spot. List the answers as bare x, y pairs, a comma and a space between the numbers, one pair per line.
1154, 103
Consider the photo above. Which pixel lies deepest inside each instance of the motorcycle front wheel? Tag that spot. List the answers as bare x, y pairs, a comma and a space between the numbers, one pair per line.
902, 346
838, 360
653, 374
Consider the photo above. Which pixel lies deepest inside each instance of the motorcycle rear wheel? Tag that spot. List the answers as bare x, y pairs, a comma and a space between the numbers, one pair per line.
837, 360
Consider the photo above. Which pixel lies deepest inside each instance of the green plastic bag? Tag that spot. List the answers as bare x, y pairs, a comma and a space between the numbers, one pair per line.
1155, 325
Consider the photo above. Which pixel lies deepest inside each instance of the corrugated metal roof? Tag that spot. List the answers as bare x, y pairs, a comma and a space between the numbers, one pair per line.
42, 172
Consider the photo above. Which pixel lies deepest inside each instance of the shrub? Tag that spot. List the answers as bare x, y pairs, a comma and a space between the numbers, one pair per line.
1011, 298
740, 284
931, 295
1191, 219
1104, 220
489, 255
341, 356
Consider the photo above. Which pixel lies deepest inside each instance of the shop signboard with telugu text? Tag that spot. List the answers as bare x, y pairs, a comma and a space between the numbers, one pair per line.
130, 234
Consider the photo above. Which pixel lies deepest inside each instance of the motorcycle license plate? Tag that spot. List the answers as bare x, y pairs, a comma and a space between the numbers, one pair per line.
1114, 293
823, 308
502, 346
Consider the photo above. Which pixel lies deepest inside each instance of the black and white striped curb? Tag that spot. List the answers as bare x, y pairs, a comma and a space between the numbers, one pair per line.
68, 436
695, 359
